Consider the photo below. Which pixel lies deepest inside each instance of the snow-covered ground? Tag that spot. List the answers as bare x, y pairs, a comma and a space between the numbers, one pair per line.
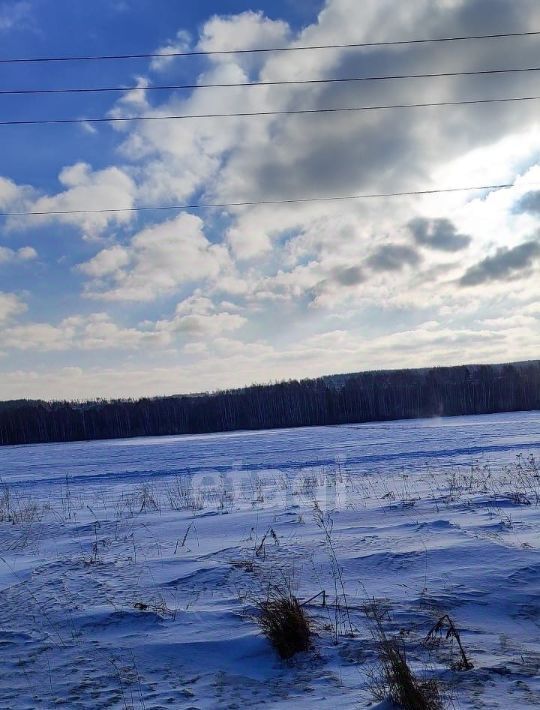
130, 570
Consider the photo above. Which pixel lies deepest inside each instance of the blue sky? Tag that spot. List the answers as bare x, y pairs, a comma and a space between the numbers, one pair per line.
153, 303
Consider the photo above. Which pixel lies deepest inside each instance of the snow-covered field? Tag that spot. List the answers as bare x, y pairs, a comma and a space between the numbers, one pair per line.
130, 570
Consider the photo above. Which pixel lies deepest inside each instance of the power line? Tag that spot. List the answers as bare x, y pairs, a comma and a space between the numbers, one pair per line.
250, 114
261, 50
255, 203
284, 82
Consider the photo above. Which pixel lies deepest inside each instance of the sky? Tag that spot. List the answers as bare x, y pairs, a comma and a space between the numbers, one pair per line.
128, 304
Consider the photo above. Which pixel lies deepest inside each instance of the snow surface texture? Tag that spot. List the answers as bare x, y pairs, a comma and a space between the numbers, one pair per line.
130, 570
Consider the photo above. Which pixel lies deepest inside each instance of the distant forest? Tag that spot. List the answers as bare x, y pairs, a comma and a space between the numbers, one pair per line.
339, 399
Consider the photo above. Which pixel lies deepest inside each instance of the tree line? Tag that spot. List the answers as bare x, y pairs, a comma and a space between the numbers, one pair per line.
339, 399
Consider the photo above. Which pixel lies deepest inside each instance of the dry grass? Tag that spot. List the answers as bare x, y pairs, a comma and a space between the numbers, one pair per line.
401, 685
16, 510
394, 679
445, 623
285, 624
181, 495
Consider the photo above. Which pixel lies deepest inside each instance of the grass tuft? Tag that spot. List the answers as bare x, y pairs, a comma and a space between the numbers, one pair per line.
285, 624
394, 679
403, 687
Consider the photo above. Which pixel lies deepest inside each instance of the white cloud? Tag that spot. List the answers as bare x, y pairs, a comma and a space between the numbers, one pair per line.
9, 256
181, 43
367, 152
198, 318
107, 262
195, 320
246, 30
94, 332
178, 157
158, 260
86, 189
13, 197
230, 363
10, 306
277, 263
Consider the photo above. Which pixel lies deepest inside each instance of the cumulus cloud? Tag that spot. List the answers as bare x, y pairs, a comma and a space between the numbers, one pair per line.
181, 43
247, 30
230, 159
197, 317
180, 157
440, 234
11, 256
107, 262
85, 189
14, 197
94, 332
505, 265
356, 259
157, 261
367, 150
233, 363
10, 305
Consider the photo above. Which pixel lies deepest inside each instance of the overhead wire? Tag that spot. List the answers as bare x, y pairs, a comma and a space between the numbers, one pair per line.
256, 203
250, 114
281, 82
260, 50
300, 200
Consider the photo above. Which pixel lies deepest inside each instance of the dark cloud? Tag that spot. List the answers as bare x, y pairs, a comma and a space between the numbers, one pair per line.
397, 149
529, 203
505, 265
439, 234
393, 257
349, 276
340, 276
